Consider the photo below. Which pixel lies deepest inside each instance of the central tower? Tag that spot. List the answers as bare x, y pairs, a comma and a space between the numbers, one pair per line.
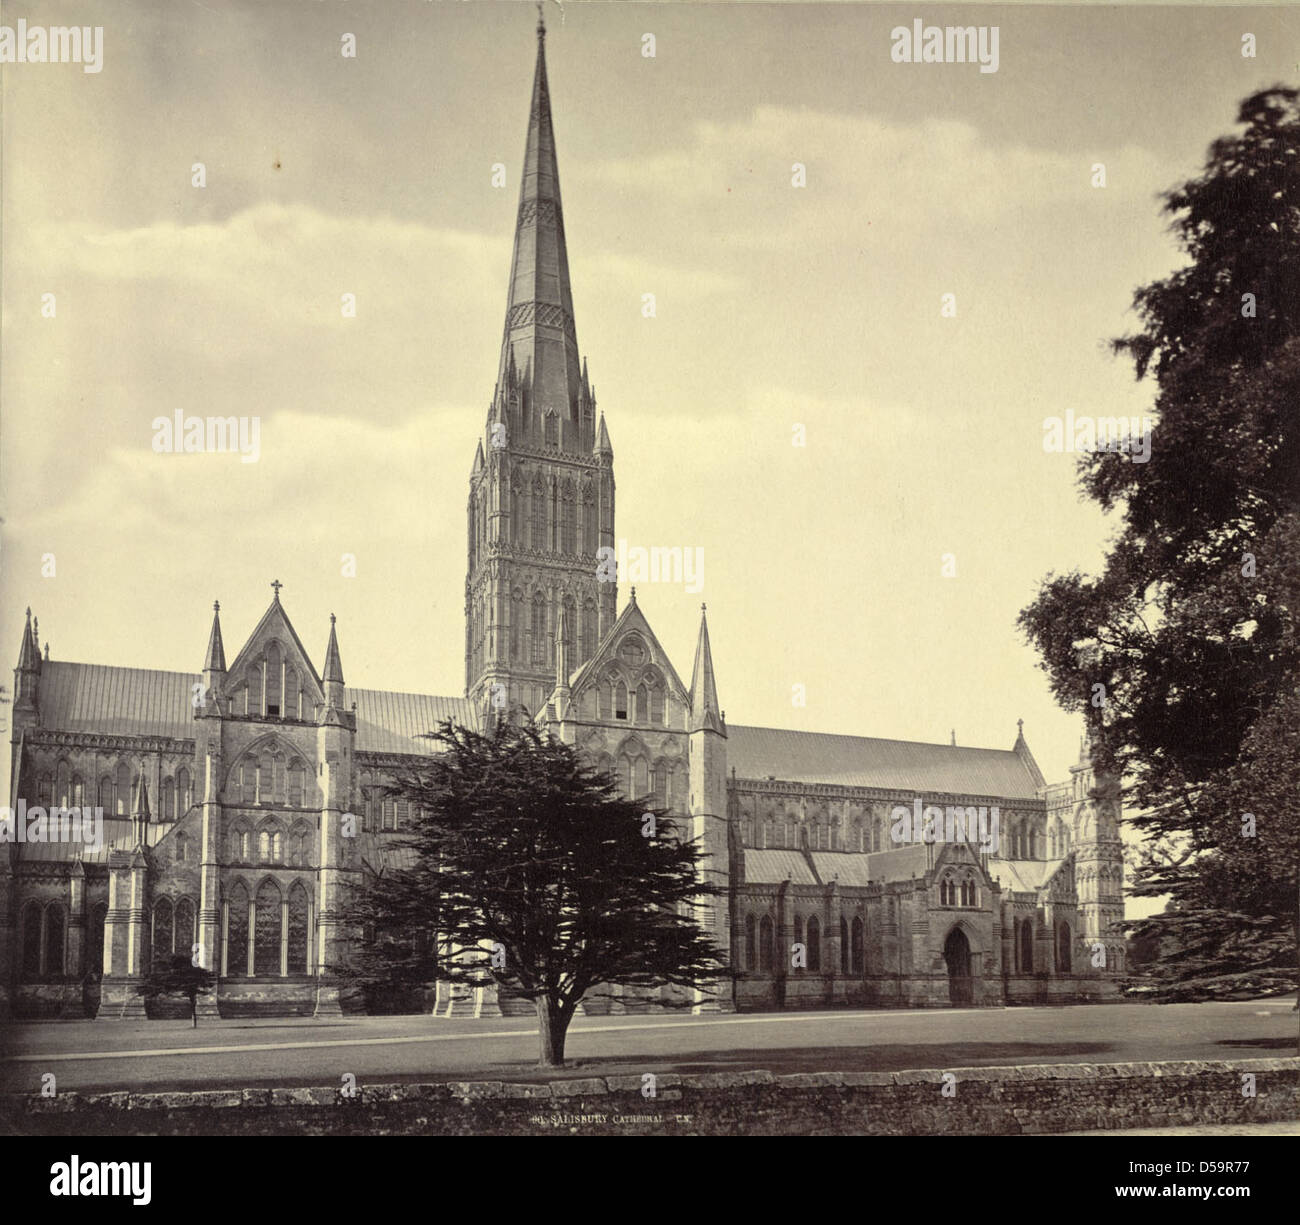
541, 493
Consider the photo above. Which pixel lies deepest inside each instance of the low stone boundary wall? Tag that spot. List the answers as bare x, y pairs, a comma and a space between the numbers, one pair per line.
978, 1101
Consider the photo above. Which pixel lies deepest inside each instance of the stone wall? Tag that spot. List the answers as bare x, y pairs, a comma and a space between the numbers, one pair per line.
981, 1101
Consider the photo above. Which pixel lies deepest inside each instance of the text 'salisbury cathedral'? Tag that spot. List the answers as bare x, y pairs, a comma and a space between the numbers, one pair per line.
224, 790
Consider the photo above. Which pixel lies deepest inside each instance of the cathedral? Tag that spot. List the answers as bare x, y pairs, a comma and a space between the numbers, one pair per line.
240, 800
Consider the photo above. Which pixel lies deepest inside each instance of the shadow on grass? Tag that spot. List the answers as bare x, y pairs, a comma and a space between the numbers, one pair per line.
1286, 1046
880, 1058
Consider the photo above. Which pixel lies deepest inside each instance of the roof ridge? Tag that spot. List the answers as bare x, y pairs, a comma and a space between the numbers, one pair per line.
925, 744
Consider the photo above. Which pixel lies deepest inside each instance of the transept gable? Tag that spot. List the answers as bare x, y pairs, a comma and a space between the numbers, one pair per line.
274, 642
631, 650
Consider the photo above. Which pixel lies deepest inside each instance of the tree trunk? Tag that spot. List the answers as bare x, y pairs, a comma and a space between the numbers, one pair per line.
552, 1026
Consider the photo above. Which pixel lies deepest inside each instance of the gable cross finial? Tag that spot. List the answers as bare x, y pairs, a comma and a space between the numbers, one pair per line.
275, 586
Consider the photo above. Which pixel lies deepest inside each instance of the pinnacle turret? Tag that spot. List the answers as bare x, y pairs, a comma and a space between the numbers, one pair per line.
28, 655
215, 660
603, 446
705, 710
333, 676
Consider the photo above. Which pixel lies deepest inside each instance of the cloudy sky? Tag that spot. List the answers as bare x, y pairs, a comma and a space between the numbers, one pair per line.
776, 307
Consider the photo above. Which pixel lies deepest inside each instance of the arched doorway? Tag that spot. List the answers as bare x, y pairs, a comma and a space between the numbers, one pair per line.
956, 952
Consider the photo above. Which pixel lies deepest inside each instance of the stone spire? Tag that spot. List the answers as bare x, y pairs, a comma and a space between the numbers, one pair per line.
140, 809
333, 677
28, 655
27, 675
215, 660
603, 446
705, 711
540, 338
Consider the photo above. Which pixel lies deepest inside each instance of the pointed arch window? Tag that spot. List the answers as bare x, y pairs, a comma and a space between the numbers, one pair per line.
750, 950
185, 933
659, 784
254, 679
588, 521
270, 846
183, 797
297, 775
1063, 949
539, 515
123, 789
859, 946
274, 679
54, 943
292, 694
539, 629
162, 929
844, 945
169, 799
300, 847
814, 943
551, 427
266, 930
299, 928
106, 794
248, 780
1024, 946
568, 529
32, 941
765, 943
235, 951
620, 700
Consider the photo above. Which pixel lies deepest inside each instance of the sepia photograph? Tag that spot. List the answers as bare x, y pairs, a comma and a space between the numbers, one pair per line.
649, 569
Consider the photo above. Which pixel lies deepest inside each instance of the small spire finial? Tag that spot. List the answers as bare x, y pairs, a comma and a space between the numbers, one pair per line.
541, 21
216, 605
1020, 726
331, 618
275, 586
633, 595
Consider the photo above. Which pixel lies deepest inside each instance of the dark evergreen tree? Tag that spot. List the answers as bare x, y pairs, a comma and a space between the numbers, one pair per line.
525, 868
1190, 629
